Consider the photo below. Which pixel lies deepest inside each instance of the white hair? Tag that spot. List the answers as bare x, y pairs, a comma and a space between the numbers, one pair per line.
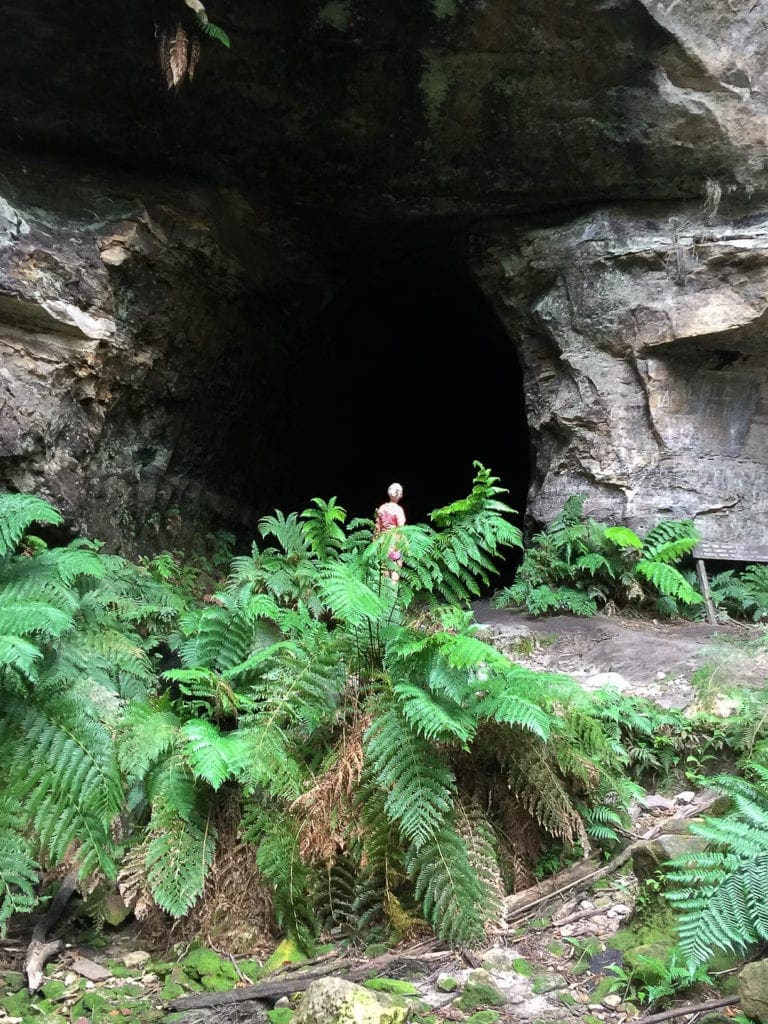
395, 491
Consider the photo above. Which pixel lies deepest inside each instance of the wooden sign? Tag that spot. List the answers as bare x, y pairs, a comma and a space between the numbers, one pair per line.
731, 551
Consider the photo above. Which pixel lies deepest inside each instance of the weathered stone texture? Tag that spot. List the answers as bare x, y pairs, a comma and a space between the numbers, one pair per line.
142, 324
646, 368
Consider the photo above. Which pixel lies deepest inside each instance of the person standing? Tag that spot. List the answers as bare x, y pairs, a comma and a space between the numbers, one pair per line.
390, 516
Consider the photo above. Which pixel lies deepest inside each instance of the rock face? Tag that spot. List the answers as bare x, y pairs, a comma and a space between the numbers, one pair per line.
149, 330
646, 368
129, 332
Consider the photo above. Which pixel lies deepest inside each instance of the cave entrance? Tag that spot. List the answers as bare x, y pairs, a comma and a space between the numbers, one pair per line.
409, 376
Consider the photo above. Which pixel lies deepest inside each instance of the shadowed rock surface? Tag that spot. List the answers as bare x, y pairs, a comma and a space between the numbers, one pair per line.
166, 258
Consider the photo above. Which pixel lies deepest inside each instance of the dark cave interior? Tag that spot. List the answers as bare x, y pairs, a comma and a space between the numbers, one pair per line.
406, 375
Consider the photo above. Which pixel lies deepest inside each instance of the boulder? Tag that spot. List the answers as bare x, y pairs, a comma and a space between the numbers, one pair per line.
336, 1001
753, 990
649, 858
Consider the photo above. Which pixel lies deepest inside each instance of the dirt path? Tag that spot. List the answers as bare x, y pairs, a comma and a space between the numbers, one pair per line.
647, 657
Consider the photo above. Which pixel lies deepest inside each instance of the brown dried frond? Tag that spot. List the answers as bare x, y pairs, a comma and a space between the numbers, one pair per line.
518, 837
327, 806
234, 912
179, 52
132, 883
194, 57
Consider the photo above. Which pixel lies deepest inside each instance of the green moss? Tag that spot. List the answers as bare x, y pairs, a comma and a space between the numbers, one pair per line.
376, 949
199, 963
215, 983
521, 966
171, 990
16, 1005
566, 998
447, 985
251, 969
478, 993
119, 970
337, 14
53, 989
444, 8
556, 948
288, 952
484, 1017
13, 981
280, 1015
392, 985
435, 85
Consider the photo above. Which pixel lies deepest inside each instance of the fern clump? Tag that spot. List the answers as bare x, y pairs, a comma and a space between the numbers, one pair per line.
383, 756
76, 629
578, 565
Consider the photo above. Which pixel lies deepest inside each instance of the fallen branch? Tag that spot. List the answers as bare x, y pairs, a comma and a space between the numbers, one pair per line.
40, 951
691, 1008
298, 981
521, 904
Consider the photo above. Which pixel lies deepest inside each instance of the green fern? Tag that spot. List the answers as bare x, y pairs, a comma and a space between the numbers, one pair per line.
722, 894
17, 513
455, 900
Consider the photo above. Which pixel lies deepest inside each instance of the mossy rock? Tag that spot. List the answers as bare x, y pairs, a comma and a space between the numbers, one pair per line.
12, 981
336, 1001
114, 911
548, 983
483, 1017
392, 985
479, 990
204, 963
556, 948
288, 952
118, 969
446, 985
171, 991
216, 983
566, 998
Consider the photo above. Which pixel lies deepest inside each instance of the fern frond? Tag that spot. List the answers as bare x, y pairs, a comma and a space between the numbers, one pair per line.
18, 869
17, 513
454, 899
623, 537
420, 786
179, 857
669, 581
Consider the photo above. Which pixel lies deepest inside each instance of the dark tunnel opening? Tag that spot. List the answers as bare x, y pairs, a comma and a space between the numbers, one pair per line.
407, 376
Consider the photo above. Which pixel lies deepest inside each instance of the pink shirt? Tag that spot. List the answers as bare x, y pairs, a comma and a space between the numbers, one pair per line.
388, 516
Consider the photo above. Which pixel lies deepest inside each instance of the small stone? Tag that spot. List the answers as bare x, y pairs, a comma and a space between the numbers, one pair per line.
136, 958
149, 979
686, 798
621, 909
660, 676
548, 983
656, 802
90, 969
283, 1003
587, 905
612, 1000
